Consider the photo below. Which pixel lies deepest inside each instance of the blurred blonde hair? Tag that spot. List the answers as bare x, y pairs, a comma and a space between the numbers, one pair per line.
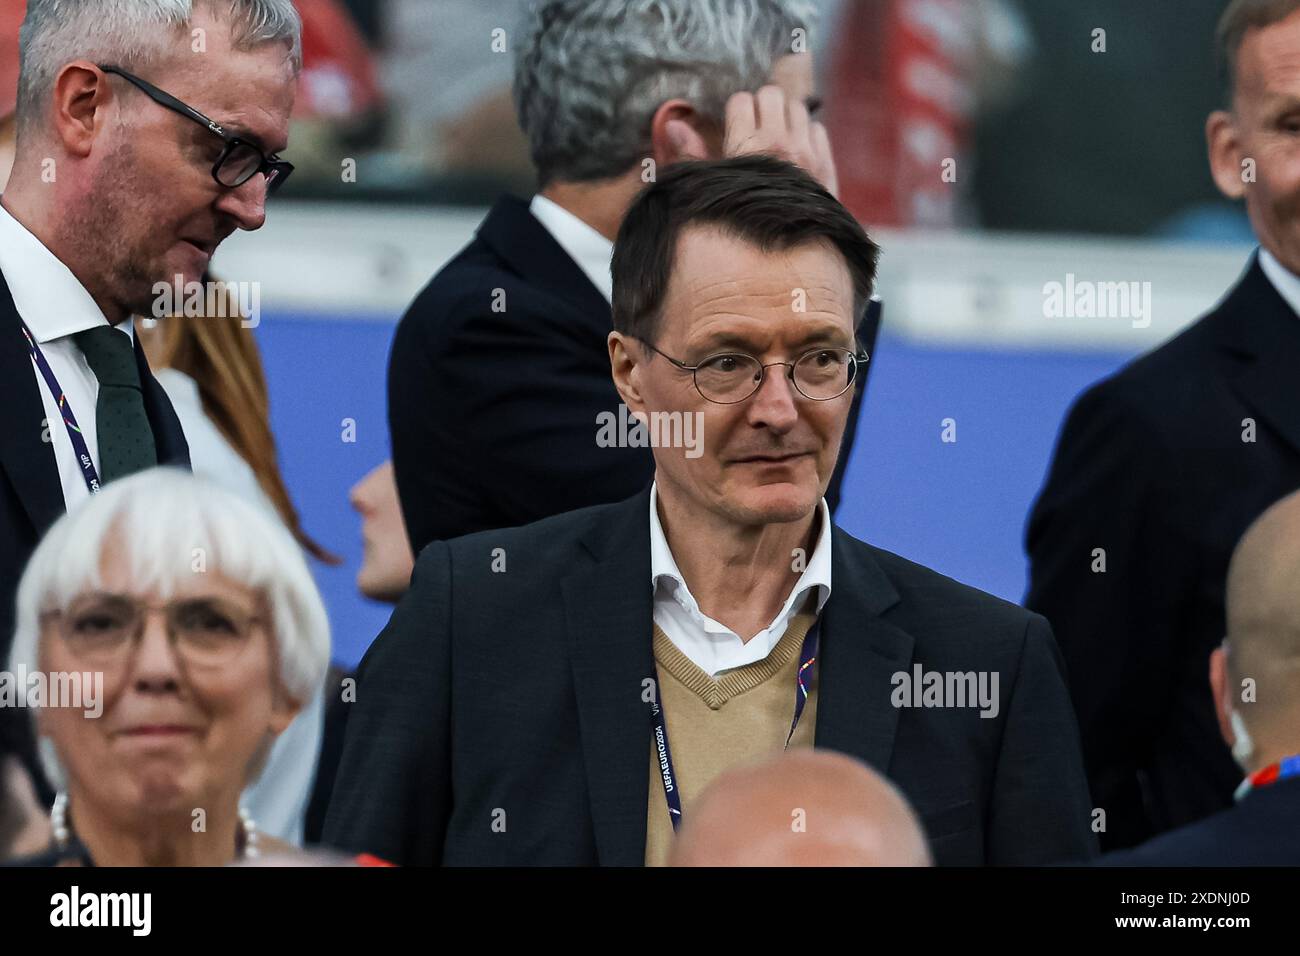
221, 355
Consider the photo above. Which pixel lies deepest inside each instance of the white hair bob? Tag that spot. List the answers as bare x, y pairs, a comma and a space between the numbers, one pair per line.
166, 521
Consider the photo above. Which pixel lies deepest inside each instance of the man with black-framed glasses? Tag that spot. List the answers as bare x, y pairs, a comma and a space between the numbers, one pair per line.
560, 693
239, 160
146, 135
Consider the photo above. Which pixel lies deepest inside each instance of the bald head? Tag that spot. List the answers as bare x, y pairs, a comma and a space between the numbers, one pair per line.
804, 808
1263, 612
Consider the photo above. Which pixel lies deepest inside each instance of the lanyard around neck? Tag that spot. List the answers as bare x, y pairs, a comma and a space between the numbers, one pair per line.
88, 472
1282, 770
659, 723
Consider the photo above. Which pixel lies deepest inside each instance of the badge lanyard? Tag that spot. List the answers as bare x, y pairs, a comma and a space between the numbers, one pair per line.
78, 440
659, 724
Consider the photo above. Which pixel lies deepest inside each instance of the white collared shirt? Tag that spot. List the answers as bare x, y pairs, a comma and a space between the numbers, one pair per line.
55, 305
585, 246
211, 454
1284, 280
711, 646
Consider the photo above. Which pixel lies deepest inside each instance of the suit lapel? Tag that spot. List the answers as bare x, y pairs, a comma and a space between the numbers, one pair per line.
530, 250
859, 653
27, 458
608, 606
1264, 329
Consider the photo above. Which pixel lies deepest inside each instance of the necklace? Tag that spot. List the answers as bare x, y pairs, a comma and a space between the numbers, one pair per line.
245, 839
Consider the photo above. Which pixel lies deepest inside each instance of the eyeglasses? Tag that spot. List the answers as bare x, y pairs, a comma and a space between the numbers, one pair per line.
104, 629
729, 378
239, 161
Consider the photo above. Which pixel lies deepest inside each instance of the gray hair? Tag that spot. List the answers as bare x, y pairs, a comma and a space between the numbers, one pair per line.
133, 34
163, 518
590, 74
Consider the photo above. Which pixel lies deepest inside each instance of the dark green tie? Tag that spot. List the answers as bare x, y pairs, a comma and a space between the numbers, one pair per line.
125, 437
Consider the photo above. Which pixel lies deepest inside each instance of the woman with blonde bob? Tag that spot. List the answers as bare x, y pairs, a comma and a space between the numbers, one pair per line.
198, 610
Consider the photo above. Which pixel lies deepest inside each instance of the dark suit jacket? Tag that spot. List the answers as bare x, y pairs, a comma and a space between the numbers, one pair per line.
31, 495
1152, 468
1262, 830
493, 414
522, 691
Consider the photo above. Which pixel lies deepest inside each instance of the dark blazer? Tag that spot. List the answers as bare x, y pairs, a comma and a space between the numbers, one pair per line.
31, 495
493, 414
1152, 468
1262, 830
522, 691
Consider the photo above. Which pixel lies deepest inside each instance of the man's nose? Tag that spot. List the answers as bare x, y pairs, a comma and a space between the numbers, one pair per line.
155, 664
246, 204
773, 405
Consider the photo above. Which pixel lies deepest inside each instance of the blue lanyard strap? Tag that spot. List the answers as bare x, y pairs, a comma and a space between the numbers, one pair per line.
659, 723
1284, 769
78, 440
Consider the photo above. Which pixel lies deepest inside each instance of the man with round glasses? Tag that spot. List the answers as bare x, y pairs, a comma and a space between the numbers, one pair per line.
559, 693
727, 378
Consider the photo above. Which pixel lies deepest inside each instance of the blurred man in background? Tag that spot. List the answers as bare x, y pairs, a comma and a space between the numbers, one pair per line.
1160, 468
803, 808
499, 369
1255, 675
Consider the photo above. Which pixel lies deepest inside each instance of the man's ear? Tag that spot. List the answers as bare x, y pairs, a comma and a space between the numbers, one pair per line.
1223, 143
1218, 688
625, 357
81, 94
678, 133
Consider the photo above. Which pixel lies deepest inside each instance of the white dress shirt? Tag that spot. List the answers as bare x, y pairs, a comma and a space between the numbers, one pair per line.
585, 246
55, 305
277, 802
210, 454
711, 646
1284, 280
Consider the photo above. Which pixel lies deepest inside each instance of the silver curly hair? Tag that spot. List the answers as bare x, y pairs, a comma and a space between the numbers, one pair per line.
590, 74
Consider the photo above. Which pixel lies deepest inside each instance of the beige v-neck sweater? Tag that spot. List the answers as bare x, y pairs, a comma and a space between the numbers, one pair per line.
715, 724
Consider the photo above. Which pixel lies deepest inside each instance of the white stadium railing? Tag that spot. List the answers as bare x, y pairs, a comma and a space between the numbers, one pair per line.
960, 289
